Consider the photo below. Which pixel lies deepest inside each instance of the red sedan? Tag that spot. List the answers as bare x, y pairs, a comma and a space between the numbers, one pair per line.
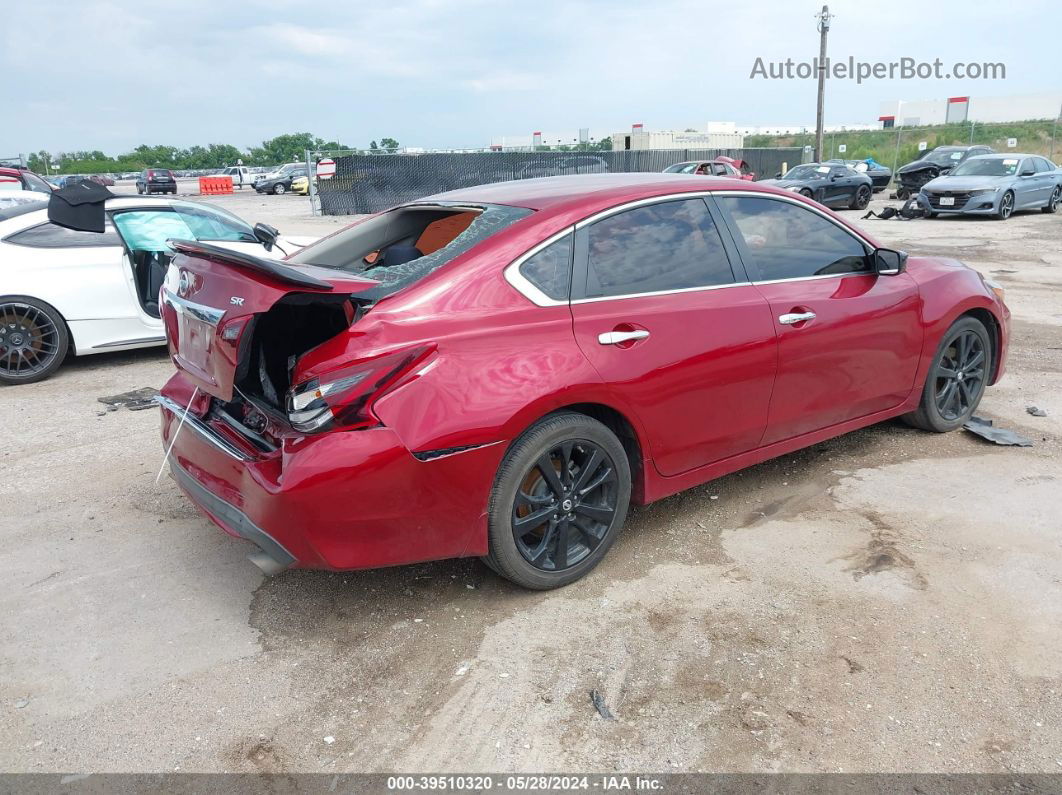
500, 371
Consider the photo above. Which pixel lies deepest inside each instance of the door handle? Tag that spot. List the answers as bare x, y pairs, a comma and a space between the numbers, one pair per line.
790, 318
616, 337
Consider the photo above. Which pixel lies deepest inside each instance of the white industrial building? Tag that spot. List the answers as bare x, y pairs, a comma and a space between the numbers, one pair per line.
715, 135
1026, 107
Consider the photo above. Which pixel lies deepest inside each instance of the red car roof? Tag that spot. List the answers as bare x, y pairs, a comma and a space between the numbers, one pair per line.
591, 189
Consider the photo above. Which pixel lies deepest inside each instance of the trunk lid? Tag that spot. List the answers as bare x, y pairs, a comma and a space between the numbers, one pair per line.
212, 298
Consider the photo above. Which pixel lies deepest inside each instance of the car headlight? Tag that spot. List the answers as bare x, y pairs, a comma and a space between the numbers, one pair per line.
984, 191
994, 286
794, 188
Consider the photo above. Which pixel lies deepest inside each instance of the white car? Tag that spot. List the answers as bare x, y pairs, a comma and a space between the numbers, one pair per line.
65, 291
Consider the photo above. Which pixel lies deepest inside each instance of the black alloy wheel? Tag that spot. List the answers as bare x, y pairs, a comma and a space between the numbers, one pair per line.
33, 340
861, 198
558, 502
565, 505
957, 380
960, 376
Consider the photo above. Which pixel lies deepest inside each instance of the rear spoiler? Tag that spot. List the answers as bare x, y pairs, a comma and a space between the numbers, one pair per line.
271, 268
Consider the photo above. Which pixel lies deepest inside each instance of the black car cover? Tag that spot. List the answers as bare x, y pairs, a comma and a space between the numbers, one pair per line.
79, 206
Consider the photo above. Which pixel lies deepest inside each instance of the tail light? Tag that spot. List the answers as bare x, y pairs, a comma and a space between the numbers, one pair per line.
342, 399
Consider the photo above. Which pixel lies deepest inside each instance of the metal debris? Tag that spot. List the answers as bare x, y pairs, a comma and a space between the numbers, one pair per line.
599, 704
1036, 412
134, 400
984, 428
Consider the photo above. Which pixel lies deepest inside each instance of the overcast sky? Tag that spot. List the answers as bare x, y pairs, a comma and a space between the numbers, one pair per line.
111, 74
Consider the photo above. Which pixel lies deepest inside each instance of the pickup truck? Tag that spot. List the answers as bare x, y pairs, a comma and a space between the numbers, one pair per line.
241, 175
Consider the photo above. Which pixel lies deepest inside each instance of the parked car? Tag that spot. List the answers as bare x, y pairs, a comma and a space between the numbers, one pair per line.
911, 177
63, 290
301, 186
831, 184
19, 186
156, 180
103, 179
241, 175
280, 181
880, 175
719, 167
994, 185
501, 370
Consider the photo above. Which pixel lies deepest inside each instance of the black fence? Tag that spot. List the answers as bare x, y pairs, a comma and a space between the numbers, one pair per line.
370, 183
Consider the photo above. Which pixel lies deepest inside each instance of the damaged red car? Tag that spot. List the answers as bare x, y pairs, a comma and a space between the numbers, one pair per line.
501, 371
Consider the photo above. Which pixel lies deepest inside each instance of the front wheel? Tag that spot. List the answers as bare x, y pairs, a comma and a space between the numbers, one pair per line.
805, 192
33, 340
1052, 203
559, 500
861, 198
956, 382
1006, 206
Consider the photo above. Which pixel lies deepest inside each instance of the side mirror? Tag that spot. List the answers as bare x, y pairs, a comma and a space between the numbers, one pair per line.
1028, 172
267, 235
835, 177
889, 262
778, 175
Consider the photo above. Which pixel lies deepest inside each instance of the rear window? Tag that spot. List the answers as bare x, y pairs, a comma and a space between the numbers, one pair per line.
402, 246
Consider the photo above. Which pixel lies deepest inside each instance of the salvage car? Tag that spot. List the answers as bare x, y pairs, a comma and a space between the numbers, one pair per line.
300, 186
995, 185
880, 176
719, 167
499, 371
828, 183
156, 180
63, 290
941, 160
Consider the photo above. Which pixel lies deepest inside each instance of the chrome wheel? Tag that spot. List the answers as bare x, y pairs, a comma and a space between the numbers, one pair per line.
1006, 205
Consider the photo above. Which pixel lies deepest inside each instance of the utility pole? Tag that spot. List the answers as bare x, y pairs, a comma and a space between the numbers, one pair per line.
823, 26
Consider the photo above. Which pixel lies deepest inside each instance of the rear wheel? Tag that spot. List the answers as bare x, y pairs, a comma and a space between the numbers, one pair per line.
33, 340
1052, 203
278, 189
558, 503
861, 198
957, 380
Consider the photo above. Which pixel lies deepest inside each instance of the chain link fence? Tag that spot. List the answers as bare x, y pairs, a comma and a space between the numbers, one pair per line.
367, 183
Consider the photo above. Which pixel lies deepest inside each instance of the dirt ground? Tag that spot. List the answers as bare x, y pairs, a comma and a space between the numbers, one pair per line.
886, 601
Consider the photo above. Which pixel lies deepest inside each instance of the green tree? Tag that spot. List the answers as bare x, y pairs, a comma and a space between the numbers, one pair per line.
389, 145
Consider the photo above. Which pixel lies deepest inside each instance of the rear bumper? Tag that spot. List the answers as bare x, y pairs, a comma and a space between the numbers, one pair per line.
341, 500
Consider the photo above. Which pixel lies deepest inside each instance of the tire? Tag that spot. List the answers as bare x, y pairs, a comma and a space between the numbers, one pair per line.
278, 189
579, 452
902, 194
1006, 206
938, 412
805, 192
39, 337
1052, 203
861, 198
928, 214
140, 190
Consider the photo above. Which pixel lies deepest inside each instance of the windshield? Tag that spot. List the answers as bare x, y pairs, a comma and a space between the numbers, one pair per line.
945, 157
810, 171
988, 167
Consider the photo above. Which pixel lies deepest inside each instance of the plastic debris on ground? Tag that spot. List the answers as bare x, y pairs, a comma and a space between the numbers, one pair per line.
134, 400
986, 430
599, 704
1035, 411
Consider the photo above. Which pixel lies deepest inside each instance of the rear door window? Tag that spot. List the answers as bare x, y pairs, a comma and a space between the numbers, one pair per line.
673, 245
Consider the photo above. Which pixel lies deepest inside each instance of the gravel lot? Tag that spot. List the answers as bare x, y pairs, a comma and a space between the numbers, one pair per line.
886, 601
